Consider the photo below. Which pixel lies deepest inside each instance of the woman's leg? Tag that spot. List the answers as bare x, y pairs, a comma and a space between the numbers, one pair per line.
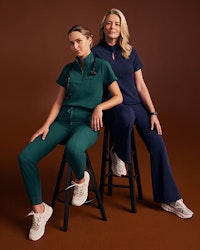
121, 119
82, 137
164, 186
32, 154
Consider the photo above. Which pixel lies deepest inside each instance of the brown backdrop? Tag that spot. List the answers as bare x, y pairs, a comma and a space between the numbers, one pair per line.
34, 49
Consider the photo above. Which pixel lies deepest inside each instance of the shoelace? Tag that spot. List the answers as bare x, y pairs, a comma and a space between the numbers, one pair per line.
36, 220
78, 188
180, 204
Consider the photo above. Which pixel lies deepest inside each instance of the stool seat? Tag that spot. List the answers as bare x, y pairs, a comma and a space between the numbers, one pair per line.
107, 178
67, 192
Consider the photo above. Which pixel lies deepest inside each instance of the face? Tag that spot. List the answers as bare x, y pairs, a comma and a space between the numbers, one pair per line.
112, 27
80, 44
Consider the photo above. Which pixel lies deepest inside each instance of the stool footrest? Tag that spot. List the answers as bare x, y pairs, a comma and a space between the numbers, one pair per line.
117, 185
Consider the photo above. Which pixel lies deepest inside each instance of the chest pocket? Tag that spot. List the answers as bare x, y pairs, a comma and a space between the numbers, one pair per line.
94, 78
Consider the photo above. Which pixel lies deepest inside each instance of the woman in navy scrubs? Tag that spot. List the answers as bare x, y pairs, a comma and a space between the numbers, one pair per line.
137, 109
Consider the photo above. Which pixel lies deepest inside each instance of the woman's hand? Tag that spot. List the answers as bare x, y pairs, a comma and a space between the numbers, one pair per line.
156, 124
52, 115
97, 121
42, 131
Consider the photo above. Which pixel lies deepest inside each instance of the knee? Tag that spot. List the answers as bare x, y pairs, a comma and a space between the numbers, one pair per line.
24, 159
123, 116
21, 158
74, 152
157, 145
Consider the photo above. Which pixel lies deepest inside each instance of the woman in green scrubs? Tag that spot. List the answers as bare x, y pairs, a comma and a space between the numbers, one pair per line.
76, 118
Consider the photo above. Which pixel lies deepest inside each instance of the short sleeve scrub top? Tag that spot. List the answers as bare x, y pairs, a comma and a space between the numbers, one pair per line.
84, 88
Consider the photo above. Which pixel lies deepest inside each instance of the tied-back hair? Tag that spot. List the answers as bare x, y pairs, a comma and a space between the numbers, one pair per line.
82, 29
123, 40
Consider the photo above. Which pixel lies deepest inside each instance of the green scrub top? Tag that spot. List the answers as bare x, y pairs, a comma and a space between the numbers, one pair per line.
84, 89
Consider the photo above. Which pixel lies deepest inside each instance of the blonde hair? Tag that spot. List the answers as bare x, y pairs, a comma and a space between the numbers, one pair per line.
123, 40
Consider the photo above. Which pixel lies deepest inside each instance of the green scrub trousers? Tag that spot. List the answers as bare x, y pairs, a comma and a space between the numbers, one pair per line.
73, 127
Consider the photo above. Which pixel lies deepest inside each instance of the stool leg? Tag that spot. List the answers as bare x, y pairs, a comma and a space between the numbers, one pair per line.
58, 182
67, 199
95, 188
103, 163
136, 168
132, 188
110, 173
137, 176
110, 177
133, 170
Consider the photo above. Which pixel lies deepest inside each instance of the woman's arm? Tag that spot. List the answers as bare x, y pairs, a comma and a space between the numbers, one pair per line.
97, 121
146, 99
52, 115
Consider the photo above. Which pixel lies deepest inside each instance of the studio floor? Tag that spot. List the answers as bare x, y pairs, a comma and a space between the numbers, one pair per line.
149, 228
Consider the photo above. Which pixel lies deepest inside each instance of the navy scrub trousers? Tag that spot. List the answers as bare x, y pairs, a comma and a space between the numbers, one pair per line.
123, 118
79, 136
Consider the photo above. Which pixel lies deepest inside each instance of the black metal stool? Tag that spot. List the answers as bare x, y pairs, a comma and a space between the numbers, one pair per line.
67, 193
133, 173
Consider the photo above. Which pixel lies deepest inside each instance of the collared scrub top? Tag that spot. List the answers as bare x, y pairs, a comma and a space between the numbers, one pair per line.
123, 68
84, 89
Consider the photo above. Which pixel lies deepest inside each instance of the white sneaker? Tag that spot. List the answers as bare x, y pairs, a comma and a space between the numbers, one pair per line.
118, 166
39, 222
80, 191
178, 208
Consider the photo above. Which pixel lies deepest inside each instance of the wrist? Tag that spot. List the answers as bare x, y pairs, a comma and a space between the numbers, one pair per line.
153, 113
99, 107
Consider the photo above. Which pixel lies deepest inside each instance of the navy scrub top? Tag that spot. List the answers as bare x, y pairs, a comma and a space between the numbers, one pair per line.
123, 68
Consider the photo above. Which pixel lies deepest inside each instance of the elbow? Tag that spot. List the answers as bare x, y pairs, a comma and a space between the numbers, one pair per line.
120, 99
